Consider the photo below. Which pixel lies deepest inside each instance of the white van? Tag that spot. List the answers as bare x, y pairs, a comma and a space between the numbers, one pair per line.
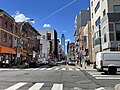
108, 61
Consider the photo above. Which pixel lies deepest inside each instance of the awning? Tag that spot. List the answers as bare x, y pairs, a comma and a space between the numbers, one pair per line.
24, 53
7, 50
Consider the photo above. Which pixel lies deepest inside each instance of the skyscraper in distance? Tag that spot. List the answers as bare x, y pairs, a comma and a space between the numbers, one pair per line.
63, 42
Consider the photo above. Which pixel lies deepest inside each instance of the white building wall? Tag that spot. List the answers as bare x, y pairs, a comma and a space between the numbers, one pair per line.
45, 43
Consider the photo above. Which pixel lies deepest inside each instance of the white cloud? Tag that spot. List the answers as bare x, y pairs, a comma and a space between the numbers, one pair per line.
59, 40
88, 8
20, 17
65, 44
67, 40
64, 30
47, 25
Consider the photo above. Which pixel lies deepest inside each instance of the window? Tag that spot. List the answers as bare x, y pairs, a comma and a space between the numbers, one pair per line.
43, 37
111, 28
116, 8
6, 24
5, 37
97, 6
97, 22
117, 27
11, 27
104, 12
92, 15
10, 39
15, 29
111, 35
104, 30
105, 38
41, 48
92, 3
96, 38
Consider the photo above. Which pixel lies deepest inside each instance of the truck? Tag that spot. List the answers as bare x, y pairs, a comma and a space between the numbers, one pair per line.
108, 62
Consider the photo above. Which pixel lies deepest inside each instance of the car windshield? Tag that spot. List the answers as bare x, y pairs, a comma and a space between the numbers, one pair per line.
59, 44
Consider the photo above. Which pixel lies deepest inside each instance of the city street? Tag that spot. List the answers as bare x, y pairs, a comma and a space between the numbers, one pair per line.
62, 77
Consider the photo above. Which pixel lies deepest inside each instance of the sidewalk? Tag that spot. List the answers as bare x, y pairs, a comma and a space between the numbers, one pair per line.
87, 67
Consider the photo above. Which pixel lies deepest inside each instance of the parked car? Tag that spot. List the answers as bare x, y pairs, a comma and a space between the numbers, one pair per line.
108, 62
71, 62
52, 63
63, 62
42, 61
34, 63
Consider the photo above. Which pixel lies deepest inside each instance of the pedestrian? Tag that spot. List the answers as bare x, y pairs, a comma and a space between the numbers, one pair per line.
7, 63
88, 62
3, 63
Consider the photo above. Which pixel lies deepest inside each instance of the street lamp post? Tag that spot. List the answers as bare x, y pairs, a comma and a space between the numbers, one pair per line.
21, 26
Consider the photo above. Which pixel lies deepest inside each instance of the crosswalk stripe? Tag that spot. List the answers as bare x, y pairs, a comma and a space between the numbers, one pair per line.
42, 69
28, 69
70, 69
35, 68
49, 69
108, 78
36, 86
16, 86
98, 75
56, 68
63, 68
101, 88
78, 69
57, 87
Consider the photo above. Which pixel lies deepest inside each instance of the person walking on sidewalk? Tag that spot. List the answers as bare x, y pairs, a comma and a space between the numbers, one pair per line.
7, 63
3, 63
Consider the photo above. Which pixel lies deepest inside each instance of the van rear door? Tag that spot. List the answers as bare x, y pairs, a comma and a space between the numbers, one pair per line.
111, 59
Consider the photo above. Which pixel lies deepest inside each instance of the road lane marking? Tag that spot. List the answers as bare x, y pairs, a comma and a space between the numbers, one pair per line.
16, 86
36, 86
49, 69
42, 69
101, 88
56, 68
70, 69
77, 69
57, 87
63, 68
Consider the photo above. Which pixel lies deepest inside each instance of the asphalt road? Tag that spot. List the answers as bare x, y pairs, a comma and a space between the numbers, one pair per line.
61, 77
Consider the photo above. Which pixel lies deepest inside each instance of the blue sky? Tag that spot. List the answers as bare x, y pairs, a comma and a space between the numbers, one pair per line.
60, 16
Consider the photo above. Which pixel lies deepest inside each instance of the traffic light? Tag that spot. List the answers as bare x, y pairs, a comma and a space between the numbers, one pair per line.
48, 36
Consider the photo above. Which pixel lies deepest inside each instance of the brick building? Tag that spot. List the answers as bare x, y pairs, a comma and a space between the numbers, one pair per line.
15, 42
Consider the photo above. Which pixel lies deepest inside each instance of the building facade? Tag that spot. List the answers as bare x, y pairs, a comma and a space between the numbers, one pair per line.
105, 25
9, 31
48, 44
15, 41
80, 22
70, 54
30, 42
63, 42
87, 42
